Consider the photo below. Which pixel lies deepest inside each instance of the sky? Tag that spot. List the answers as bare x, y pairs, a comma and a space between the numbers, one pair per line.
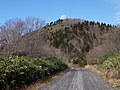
107, 11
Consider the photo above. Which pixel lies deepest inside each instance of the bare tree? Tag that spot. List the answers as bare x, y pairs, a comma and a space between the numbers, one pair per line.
33, 23
13, 29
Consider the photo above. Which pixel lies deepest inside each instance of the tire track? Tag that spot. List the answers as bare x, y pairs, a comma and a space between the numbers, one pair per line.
78, 79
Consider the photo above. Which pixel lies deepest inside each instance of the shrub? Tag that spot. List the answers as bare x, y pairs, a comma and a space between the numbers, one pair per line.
18, 71
107, 61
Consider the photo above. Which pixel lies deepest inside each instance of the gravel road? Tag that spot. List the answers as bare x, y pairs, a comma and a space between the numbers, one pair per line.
78, 79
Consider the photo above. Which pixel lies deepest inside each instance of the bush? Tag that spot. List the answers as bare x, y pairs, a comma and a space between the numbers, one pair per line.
18, 71
107, 61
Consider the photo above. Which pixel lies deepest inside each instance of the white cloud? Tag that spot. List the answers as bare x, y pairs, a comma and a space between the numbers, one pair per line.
118, 13
116, 4
117, 17
63, 17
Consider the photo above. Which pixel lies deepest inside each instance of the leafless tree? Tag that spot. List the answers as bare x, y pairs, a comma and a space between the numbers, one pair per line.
13, 29
33, 23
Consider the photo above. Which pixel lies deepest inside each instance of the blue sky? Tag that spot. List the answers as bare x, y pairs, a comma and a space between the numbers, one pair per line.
107, 11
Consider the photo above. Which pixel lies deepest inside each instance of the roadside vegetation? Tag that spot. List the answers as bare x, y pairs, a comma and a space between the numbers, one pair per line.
16, 72
109, 65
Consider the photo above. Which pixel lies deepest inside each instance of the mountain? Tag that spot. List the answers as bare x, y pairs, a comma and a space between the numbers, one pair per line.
72, 40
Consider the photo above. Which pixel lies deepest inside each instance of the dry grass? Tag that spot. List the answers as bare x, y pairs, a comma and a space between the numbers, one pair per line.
114, 82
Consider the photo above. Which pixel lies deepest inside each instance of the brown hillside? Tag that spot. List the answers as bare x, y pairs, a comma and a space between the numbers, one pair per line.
69, 39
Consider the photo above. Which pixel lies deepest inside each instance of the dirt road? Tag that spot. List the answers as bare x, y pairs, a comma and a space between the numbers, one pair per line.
78, 79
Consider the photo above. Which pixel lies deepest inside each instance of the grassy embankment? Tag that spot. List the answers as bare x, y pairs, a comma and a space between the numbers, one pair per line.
109, 67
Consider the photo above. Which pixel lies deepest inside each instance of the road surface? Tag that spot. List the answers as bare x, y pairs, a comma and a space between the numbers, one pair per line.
78, 79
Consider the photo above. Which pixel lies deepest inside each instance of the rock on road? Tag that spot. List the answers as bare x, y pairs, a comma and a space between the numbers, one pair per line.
78, 79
